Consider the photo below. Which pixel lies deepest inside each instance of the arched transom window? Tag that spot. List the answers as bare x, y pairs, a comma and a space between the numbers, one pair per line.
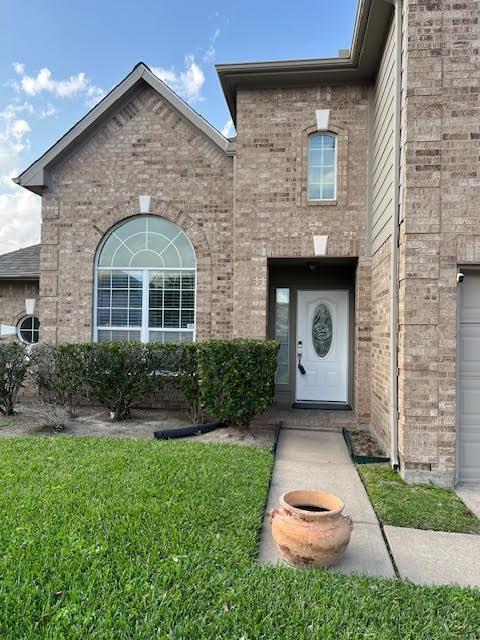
322, 166
145, 283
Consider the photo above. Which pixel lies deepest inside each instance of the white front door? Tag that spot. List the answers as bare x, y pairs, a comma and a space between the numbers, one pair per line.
322, 342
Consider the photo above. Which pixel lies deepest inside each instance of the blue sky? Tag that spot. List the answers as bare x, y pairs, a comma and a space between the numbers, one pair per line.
58, 58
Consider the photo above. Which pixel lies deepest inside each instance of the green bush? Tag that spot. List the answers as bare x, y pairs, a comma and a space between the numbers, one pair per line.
236, 378
188, 381
54, 370
14, 365
115, 374
230, 380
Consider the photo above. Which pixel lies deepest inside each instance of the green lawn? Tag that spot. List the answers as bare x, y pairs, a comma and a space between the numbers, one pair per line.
114, 539
417, 506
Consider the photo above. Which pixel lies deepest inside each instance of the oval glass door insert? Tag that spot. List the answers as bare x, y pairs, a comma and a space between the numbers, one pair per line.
322, 330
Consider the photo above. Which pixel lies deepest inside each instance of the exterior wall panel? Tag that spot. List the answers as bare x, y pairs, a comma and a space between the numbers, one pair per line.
382, 146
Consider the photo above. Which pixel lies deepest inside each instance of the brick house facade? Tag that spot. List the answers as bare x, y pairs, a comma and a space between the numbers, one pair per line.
374, 267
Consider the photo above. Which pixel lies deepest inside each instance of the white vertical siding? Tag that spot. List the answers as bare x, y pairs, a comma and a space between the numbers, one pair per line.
382, 136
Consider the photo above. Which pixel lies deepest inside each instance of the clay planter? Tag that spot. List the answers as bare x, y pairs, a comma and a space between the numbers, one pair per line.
309, 530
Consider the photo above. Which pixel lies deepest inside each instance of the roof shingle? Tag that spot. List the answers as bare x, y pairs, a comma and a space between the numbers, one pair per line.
21, 264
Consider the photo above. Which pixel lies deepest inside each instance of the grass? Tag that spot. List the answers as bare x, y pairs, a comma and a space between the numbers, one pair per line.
417, 506
117, 539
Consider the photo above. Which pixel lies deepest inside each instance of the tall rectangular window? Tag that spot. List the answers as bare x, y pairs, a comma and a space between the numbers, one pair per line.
322, 167
282, 306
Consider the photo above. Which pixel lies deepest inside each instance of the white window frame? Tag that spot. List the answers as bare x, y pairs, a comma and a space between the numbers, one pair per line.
317, 134
144, 329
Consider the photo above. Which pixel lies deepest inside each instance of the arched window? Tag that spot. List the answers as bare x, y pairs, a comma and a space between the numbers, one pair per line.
322, 166
145, 283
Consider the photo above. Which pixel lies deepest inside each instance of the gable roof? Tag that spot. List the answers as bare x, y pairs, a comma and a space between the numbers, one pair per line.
360, 65
23, 264
34, 177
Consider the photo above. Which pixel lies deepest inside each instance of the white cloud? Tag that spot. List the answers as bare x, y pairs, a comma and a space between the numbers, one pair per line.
19, 219
13, 108
209, 55
188, 84
19, 209
19, 67
78, 84
13, 139
228, 129
48, 111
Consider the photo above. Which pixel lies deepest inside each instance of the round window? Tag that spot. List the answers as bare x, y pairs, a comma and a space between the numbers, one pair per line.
27, 329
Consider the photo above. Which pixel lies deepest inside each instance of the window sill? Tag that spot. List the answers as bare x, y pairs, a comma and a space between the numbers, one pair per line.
321, 203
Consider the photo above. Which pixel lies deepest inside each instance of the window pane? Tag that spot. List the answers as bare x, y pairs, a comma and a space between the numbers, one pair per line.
187, 318
121, 257
315, 158
124, 335
120, 298
188, 299
328, 192
328, 158
135, 298
315, 175
119, 280
171, 318
170, 336
314, 191
172, 299
188, 280
103, 317
316, 141
119, 317
135, 317
155, 318
328, 142
172, 280
104, 279
103, 298
282, 305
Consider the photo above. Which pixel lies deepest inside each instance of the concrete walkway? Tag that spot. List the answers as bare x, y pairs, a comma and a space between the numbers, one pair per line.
315, 459
435, 557
469, 493
308, 459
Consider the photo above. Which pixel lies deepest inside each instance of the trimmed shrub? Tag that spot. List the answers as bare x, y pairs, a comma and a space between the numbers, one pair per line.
14, 365
236, 378
188, 381
55, 371
115, 374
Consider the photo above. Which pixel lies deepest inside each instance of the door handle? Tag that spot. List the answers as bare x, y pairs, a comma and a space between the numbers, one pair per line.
301, 368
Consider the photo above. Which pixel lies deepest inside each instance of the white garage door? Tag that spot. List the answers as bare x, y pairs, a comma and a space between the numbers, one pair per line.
468, 396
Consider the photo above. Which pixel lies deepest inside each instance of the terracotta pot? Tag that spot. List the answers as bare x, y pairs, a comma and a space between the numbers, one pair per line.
315, 535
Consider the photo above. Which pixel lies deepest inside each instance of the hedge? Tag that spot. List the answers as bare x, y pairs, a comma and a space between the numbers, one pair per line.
227, 380
236, 378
